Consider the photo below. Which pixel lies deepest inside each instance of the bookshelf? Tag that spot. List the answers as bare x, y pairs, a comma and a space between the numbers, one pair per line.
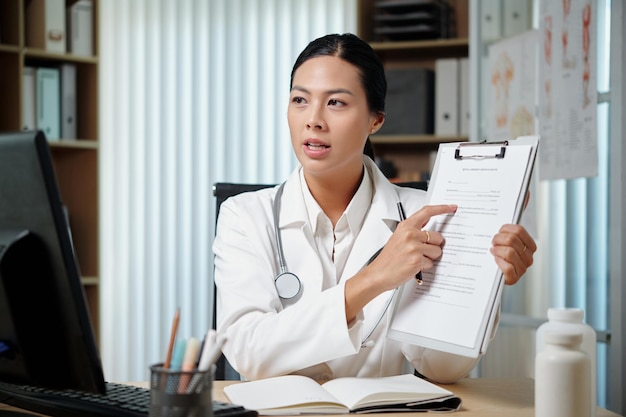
75, 158
412, 153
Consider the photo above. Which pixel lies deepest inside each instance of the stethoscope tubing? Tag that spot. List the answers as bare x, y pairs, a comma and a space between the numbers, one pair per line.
279, 241
288, 284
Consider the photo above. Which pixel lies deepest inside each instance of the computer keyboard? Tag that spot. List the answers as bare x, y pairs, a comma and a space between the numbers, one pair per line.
120, 400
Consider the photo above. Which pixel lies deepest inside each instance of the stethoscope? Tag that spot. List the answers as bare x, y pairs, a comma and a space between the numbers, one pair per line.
288, 284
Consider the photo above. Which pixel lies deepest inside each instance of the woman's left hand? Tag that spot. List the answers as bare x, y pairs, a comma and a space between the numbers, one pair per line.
513, 249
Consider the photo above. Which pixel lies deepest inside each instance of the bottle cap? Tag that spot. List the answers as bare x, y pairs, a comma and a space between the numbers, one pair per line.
570, 315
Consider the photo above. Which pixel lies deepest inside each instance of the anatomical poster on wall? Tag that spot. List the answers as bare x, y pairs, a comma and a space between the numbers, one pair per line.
567, 89
512, 88
512, 96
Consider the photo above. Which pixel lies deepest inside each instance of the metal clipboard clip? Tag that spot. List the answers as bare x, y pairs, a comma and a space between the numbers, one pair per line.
500, 155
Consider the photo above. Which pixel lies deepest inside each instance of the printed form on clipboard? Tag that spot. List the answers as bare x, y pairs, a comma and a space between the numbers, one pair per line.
456, 307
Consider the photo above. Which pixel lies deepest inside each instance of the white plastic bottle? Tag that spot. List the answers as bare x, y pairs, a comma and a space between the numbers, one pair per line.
562, 377
571, 320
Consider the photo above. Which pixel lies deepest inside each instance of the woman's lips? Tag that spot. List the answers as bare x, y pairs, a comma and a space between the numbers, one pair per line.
316, 146
315, 149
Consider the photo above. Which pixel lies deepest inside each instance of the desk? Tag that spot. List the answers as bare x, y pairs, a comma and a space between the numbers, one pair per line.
484, 397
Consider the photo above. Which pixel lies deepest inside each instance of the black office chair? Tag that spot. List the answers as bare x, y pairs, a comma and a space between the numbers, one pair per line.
221, 191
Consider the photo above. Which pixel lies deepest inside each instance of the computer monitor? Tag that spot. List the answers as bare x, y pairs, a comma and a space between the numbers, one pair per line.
46, 335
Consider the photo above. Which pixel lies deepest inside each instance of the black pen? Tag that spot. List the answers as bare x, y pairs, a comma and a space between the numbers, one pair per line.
418, 276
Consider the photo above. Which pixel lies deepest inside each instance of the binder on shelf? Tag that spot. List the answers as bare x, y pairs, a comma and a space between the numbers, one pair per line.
45, 25
447, 97
68, 101
464, 93
491, 19
29, 110
80, 28
410, 100
515, 17
48, 102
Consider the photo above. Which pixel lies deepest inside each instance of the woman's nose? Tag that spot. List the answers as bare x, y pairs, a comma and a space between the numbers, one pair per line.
314, 124
316, 121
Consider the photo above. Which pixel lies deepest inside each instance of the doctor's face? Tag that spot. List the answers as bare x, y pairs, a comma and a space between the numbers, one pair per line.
328, 116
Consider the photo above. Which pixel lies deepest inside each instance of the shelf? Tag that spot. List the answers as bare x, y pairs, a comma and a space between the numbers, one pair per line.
74, 144
90, 281
429, 49
10, 48
35, 53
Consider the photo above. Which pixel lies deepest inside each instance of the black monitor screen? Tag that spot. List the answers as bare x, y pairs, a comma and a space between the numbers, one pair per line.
46, 338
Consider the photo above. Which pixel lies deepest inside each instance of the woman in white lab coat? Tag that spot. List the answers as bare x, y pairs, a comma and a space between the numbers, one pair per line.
334, 212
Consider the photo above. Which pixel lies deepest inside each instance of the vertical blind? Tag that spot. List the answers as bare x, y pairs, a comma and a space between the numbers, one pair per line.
191, 92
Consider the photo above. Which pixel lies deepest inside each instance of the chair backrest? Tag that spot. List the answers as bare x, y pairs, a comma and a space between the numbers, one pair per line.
223, 190
420, 185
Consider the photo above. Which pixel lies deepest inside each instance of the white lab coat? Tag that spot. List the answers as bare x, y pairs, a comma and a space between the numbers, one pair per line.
309, 336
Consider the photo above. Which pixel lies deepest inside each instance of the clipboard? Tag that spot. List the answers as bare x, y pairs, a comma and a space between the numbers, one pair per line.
455, 309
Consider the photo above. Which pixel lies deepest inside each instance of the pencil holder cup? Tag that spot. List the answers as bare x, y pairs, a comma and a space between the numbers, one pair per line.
180, 393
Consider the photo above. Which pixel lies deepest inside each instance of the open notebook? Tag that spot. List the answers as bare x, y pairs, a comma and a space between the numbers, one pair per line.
296, 394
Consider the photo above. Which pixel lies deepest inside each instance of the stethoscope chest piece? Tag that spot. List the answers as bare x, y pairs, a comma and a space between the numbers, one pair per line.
288, 285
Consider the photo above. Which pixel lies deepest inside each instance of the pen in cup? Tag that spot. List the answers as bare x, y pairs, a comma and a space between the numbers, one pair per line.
418, 276
188, 363
211, 351
181, 385
170, 348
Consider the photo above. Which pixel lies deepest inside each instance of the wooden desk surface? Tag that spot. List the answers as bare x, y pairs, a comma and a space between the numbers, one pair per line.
481, 397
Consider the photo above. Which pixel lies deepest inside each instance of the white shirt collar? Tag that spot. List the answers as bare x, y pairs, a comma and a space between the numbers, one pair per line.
354, 213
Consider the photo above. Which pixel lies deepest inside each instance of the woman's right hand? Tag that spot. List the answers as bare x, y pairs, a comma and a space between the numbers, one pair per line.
410, 249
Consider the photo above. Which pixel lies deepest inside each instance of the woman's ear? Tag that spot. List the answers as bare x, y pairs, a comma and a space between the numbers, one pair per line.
377, 122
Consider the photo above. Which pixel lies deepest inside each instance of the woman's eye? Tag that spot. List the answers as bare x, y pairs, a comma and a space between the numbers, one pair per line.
297, 100
335, 102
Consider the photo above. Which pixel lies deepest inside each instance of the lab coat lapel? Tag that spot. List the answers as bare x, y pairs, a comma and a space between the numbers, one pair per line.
378, 226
